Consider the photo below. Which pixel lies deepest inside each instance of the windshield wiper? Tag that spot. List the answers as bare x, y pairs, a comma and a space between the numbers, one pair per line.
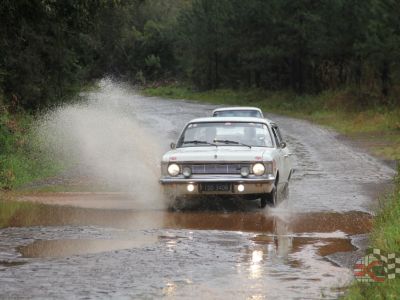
231, 142
199, 142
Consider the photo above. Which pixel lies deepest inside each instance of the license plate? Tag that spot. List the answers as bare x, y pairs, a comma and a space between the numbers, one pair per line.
216, 187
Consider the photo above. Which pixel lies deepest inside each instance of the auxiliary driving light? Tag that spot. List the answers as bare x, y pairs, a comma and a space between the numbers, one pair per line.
240, 187
190, 187
244, 171
187, 172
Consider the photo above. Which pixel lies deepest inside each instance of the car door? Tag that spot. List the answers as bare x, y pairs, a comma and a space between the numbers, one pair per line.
284, 155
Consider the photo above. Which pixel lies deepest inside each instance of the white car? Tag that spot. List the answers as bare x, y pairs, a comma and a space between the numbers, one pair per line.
240, 111
227, 156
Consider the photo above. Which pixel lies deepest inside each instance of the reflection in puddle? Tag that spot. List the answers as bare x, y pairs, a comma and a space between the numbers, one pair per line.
240, 219
63, 248
255, 266
4, 263
206, 262
169, 289
290, 262
254, 253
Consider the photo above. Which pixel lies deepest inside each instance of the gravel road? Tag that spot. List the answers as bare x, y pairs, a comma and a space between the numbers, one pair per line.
125, 244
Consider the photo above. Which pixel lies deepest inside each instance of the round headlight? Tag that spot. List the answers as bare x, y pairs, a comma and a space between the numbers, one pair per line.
187, 172
173, 169
244, 171
258, 169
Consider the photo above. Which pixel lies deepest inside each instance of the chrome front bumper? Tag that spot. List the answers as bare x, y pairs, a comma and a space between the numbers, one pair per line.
252, 185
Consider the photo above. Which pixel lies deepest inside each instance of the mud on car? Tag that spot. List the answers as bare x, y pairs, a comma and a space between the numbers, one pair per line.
227, 156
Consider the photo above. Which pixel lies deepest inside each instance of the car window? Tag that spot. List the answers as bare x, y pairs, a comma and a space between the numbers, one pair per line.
238, 113
277, 135
253, 134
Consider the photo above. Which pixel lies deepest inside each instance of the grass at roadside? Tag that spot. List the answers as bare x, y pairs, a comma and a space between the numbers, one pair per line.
338, 110
385, 236
21, 158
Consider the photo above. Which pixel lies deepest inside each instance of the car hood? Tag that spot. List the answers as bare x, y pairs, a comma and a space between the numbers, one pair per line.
217, 154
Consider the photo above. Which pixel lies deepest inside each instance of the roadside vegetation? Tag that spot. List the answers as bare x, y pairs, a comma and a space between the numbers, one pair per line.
50, 47
21, 161
386, 236
21, 158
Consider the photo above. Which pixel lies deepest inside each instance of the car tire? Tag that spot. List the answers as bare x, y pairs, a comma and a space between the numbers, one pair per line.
176, 204
171, 204
169, 200
270, 199
263, 202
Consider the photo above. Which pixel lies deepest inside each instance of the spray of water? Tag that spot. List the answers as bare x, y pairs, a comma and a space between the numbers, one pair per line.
103, 139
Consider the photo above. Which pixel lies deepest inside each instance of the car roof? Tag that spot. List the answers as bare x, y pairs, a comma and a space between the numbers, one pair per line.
238, 108
231, 119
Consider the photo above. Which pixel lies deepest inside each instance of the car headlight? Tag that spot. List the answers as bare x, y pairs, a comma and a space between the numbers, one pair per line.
258, 169
173, 169
187, 172
244, 171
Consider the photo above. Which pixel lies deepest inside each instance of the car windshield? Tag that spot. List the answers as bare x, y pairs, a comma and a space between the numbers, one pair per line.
238, 113
225, 134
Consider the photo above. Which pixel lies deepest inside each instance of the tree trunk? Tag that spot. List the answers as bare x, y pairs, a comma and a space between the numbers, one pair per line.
257, 78
385, 71
209, 73
216, 59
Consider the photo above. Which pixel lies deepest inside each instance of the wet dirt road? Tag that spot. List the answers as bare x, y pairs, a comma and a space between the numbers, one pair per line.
102, 245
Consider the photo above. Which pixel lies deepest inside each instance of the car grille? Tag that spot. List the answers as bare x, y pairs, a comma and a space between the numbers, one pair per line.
217, 168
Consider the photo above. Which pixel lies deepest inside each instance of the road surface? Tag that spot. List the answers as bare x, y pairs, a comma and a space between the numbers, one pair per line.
123, 243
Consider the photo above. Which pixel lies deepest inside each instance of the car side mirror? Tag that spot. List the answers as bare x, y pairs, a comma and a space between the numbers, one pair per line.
172, 145
283, 145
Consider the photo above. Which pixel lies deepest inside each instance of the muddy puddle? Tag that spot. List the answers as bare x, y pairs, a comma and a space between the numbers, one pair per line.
204, 249
333, 230
283, 244
168, 262
212, 215
63, 248
223, 249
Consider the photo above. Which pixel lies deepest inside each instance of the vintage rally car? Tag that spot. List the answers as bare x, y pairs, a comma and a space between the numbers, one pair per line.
233, 156
239, 111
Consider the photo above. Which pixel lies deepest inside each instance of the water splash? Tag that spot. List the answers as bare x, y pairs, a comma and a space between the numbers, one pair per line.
102, 138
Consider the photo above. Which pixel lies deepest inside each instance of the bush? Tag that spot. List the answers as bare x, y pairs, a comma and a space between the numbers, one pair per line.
20, 159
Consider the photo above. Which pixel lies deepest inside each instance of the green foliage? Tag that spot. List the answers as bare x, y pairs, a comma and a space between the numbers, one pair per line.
21, 160
44, 49
138, 39
48, 47
386, 233
388, 290
305, 46
153, 64
386, 236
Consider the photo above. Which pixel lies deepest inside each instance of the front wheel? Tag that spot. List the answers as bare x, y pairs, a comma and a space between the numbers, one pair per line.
270, 198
